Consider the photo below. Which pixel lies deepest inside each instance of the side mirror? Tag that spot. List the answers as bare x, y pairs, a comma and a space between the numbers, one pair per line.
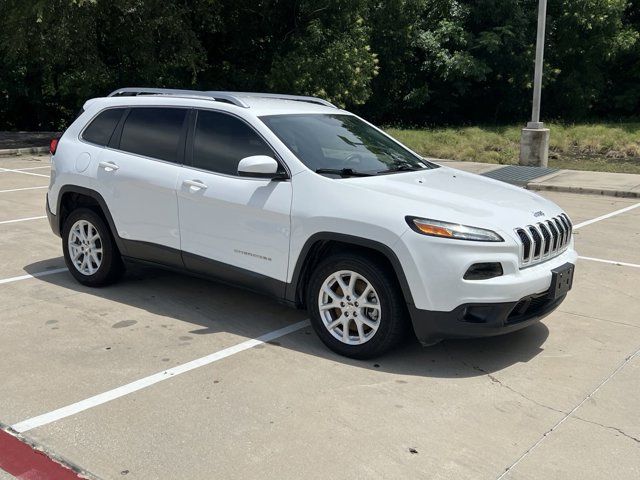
258, 166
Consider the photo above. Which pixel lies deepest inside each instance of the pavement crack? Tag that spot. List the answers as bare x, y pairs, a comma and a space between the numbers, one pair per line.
495, 379
609, 427
569, 414
597, 318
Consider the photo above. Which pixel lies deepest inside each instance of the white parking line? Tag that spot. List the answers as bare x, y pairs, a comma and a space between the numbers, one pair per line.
32, 275
21, 189
22, 219
30, 168
613, 262
145, 382
605, 216
24, 173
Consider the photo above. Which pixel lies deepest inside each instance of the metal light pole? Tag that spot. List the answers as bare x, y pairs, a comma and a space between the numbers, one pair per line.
534, 142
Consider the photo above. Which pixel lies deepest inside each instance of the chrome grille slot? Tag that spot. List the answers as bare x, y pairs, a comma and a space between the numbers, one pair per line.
537, 241
525, 252
544, 240
563, 233
555, 235
546, 236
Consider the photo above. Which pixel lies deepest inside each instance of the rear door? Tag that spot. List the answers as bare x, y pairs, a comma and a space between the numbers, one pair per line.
137, 178
235, 228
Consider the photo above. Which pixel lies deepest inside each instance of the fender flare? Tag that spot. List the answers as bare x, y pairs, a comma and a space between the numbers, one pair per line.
292, 289
101, 203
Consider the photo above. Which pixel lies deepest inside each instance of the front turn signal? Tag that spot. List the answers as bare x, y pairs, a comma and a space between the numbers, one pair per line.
438, 228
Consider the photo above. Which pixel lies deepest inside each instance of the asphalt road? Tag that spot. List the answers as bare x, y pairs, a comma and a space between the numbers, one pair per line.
158, 375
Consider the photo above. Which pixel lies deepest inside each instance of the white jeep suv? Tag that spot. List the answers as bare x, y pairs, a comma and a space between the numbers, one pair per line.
293, 197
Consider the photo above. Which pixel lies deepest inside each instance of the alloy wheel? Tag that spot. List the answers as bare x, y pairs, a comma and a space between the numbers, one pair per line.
349, 307
85, 247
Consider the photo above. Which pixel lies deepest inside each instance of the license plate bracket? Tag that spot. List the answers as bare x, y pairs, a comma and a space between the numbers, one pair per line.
561, 280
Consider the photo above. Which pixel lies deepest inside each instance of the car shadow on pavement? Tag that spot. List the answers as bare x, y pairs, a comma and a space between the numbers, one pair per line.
215, 307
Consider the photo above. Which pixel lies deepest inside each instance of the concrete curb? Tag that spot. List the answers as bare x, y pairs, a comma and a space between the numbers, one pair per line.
538, 187
621, 185
7, 152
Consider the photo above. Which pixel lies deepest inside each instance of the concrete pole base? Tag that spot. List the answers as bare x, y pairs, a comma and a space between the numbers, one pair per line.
534, 147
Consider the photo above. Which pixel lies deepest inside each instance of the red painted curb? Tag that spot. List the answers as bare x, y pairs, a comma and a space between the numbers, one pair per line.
26, 463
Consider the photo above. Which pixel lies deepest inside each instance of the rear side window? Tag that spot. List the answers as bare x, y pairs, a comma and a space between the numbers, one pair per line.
153, 132
221, 141
101, 128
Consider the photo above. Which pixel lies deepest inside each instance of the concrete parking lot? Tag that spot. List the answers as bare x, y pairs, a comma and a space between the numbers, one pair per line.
168, 376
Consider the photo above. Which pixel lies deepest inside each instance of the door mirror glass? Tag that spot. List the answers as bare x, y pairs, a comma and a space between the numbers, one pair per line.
260, 166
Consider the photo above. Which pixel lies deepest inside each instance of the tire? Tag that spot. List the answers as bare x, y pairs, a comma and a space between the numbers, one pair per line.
382, 314
103, 262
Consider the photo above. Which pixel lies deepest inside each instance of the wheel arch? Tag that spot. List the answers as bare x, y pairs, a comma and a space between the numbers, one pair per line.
74, 196
323, 242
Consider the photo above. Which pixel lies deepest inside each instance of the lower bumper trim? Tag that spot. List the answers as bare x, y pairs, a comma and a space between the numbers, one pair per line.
481, 319
53, 220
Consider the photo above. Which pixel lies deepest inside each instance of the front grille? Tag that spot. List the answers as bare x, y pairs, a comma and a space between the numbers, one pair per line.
544, 240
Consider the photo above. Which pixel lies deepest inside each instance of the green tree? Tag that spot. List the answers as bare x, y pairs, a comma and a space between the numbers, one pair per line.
586, 38
56, 54
326, 53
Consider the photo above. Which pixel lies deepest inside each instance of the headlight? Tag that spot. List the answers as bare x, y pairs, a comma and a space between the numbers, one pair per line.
437, 228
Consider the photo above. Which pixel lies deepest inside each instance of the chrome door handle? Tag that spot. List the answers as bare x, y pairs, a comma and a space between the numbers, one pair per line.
109, 166
197, 184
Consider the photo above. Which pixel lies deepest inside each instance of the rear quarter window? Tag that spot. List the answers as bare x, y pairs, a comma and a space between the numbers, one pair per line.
102, 127
153, 132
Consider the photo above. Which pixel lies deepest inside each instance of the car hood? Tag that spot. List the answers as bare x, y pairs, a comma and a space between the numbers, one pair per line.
452, 195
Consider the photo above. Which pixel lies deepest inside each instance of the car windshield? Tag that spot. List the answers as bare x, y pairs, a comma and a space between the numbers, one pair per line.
342, 145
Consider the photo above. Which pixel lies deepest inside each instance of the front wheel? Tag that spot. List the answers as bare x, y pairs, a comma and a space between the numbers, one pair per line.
355, 306
89, 250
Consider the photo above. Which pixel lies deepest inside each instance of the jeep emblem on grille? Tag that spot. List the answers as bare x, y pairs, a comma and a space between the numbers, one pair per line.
539, 213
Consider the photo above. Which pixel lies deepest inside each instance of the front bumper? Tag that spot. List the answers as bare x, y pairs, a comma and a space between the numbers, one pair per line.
481, 319
435, 267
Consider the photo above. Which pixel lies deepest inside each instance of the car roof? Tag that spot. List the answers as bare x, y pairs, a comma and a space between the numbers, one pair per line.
252, 103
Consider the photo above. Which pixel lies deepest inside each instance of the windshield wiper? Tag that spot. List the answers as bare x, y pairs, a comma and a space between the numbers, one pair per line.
401, 167
344, 172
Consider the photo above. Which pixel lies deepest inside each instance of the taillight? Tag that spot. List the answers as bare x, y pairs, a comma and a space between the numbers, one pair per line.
53, 146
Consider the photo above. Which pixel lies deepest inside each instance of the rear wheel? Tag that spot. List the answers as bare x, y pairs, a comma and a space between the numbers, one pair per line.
355, 306
89, 250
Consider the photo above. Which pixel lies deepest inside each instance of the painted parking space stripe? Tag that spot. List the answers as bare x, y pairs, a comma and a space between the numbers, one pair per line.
32, 168
26, 169
32, 275
23, 189
22, 219
145, 382
25, 462
605, 216
23, 172
612, 262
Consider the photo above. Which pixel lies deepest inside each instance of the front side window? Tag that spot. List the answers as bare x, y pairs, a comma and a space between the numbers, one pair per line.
342, 143
221, 141
153, 132
101, 127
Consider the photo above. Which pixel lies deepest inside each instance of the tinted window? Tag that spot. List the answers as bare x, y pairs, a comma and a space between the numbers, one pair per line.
101, 128
221, 141
153, 132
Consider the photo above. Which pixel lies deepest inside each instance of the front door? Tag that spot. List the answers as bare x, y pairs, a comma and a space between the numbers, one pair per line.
235, 228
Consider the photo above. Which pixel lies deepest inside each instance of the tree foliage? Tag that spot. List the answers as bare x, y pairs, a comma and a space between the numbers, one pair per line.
396, 61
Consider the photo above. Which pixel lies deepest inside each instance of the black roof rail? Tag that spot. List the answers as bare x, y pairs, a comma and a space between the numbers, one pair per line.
280, 96
220, 96
231, 97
